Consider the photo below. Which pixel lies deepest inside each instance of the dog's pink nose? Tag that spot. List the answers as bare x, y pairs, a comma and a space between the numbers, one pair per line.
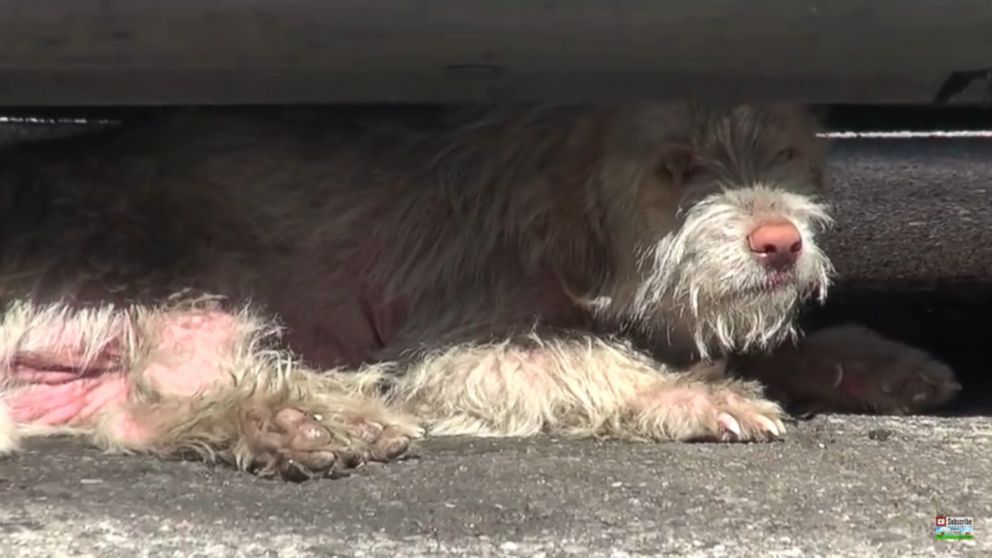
776, 244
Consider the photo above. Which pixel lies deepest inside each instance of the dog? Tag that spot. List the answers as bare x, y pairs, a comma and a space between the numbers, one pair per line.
299, 293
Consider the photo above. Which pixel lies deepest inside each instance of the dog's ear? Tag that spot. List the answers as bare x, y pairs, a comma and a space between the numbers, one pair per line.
584, 272
576, 233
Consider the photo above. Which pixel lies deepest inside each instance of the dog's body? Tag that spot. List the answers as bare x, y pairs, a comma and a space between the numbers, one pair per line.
504, 272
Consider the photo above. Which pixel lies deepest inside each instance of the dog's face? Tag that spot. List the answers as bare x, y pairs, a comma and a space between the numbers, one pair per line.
723, 223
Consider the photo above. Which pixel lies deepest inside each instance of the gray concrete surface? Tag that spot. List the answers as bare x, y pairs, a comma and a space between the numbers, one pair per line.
914, 247
839, 486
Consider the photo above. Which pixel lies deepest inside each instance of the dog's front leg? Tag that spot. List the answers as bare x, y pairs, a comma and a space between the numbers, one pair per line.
577, 385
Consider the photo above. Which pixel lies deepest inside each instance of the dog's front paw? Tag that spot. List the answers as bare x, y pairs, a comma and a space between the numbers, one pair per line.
886, 376
701, 411
854, 369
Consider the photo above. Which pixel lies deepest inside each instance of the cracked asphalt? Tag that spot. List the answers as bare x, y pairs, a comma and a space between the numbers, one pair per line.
913, 247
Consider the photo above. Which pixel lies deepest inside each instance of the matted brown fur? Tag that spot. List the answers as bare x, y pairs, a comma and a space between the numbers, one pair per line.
499, 271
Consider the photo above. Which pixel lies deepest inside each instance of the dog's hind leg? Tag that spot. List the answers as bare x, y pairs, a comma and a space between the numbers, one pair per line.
169, 381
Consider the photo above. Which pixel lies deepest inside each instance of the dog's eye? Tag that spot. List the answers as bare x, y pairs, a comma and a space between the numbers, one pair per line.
679, 165
786, 155
693, 171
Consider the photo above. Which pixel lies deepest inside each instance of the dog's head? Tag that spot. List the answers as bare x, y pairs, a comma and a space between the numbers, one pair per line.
711, 215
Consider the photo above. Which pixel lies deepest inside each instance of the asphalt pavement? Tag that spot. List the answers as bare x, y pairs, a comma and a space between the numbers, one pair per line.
913, 246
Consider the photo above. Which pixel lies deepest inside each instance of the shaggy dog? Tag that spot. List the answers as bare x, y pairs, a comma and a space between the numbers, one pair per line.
300, 293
